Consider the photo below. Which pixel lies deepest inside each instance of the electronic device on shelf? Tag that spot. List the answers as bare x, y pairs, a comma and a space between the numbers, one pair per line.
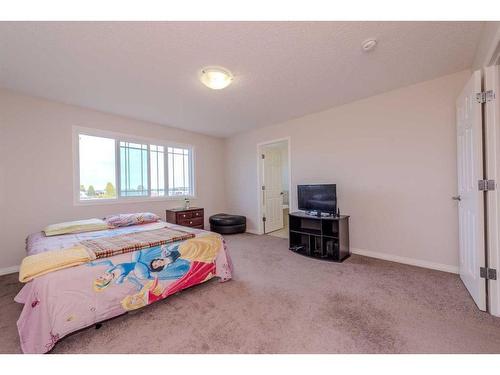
297, 248
319, 214
318, 200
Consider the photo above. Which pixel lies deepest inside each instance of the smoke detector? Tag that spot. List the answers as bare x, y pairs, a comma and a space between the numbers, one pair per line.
369, 45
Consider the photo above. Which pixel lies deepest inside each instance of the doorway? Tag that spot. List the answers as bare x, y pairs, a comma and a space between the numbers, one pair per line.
274, 187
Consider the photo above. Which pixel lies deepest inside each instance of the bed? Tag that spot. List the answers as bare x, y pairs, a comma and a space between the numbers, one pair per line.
67, 300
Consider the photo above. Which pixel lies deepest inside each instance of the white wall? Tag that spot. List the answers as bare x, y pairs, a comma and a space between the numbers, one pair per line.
393, 158
490, 37
36, 170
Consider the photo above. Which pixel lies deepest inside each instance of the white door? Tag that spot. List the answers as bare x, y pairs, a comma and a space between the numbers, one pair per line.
273, 193
492, 145
470, 205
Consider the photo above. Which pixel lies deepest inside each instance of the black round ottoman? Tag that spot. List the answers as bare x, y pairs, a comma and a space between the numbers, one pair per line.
228, 224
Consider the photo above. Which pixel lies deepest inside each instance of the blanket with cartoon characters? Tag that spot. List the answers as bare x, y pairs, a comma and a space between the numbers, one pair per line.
62, 302
36, 265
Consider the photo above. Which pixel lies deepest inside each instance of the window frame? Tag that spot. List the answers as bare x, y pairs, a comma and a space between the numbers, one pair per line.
122, 137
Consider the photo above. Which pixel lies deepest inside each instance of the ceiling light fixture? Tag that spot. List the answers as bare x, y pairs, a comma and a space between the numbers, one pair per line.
369, 45
215, 77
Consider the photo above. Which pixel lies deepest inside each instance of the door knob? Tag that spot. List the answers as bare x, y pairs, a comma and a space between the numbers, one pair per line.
456, 198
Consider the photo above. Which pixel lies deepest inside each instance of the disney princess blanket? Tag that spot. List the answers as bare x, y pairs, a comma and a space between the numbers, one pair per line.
64, 301
103, 247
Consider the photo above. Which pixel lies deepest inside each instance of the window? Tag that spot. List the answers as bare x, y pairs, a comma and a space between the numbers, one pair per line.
133, 170
118, 168
157, 158
179, 180
97, 167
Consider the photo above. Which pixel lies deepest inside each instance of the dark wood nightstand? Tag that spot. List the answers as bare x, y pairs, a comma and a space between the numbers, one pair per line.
192, 217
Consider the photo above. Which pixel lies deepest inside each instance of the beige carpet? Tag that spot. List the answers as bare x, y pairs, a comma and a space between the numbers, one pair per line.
281, 233
281, 302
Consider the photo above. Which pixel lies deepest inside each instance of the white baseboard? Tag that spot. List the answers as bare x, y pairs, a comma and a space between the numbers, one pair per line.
394, 258
8, 270
405, 260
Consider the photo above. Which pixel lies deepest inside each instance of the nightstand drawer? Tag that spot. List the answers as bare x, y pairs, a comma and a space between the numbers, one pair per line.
196, 221
197, 213
184, 215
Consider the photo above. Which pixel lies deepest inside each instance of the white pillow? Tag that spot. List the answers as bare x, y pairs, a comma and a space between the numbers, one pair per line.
79, 226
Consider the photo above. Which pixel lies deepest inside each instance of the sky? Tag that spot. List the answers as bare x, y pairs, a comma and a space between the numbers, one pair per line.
97, 165
97, 161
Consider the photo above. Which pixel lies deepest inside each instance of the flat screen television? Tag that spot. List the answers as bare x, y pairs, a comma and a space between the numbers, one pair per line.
319, 198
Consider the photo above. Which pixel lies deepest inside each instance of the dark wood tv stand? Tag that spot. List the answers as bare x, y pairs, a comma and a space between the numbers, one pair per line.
319, 237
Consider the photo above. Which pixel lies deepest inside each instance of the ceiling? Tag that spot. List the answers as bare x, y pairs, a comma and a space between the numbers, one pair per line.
283, 70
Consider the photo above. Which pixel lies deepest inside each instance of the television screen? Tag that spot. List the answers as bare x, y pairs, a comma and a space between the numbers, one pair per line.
322, 198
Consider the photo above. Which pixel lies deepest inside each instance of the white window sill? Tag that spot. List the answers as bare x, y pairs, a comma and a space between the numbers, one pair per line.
99, 202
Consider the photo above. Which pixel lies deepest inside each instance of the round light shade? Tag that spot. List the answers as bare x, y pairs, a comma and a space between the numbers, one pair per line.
215, 77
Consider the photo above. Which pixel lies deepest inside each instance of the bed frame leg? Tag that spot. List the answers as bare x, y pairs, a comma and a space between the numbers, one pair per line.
98, 325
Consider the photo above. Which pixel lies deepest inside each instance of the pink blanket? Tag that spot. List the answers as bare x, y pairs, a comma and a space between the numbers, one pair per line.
65, 301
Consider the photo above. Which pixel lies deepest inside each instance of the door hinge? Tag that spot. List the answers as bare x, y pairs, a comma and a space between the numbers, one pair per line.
488, 273
485, 185
485, 96
264, 219
263, 156
263, 187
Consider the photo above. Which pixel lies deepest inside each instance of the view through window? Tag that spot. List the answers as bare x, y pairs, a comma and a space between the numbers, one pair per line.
179, 178
111, 168
133, 169
97, 167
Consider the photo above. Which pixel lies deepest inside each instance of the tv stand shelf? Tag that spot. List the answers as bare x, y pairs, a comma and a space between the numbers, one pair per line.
325, 237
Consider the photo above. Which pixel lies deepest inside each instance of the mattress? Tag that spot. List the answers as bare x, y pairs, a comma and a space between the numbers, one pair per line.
67, 300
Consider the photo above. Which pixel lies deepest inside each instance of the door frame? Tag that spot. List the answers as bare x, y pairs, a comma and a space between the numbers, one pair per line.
491, 81
260, 203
